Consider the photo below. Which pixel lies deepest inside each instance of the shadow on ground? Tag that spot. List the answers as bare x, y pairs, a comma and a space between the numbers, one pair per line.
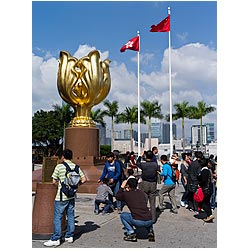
89, 226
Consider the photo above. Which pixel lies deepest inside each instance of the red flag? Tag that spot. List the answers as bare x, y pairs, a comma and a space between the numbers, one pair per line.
132, 44
163, 26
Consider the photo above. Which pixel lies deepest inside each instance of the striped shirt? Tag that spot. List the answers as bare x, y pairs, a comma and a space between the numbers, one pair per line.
59, 175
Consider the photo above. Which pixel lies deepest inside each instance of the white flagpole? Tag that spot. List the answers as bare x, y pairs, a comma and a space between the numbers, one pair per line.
139, 104
170, 89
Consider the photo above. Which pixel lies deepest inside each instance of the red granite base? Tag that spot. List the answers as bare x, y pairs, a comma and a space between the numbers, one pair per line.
43, 209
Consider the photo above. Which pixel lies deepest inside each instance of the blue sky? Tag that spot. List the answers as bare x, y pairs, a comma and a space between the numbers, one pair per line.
107, 25
79, 27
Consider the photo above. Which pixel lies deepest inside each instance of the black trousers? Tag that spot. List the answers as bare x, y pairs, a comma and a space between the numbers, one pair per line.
205, 204
191, 202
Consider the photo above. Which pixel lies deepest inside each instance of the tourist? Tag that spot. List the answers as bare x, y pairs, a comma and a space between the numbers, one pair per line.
184, 177
206, 184
168, 185
111, 171
65, 204
149, 180
103, 191
192, 185
139, 215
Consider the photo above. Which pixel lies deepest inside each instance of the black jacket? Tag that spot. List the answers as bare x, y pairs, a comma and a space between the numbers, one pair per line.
149, 170
205, 181
193, 171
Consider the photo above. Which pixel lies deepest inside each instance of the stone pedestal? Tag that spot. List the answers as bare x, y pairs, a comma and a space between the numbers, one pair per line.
43, 211
84, 143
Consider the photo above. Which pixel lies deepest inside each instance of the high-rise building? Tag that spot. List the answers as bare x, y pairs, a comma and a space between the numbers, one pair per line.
127, 134
166, 132
210, 132
102, 134
143, 137
196, 134
156, 129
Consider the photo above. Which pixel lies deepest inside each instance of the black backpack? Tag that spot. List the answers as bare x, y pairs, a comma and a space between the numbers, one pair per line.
70, 184
173, 177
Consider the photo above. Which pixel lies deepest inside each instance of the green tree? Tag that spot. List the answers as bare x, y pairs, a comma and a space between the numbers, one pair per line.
111, 111
47, 131
97, 116
151, 110
65, 112
182, 111
197, 112
130, 116
104, 150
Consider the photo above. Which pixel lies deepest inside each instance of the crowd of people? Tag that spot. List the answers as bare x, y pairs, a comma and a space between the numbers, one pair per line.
133, 183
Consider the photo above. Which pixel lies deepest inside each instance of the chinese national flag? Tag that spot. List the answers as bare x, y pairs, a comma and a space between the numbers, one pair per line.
132, 44
163, 26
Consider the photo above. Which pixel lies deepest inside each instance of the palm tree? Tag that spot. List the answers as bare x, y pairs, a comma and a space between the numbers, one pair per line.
65, 113
130, 115
112, 111
182, 111
97, 116
151, 110
197, 112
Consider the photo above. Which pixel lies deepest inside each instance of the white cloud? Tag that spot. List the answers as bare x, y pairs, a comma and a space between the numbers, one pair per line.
194, 78
83, 50
44, 87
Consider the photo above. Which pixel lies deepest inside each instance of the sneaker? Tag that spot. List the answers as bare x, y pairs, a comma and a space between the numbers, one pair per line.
186, 205
69, 239
190, 209
151, 236
209, 218
119, 211
183, 204
96, 212
130, 237
51, 243
174, 211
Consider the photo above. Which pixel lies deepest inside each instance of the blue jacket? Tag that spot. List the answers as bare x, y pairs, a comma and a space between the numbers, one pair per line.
167, 173
111, 171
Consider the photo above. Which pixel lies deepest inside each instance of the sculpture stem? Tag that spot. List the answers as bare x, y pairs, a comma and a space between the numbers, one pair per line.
82, 110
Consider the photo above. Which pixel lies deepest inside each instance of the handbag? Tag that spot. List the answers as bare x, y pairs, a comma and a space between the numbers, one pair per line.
198, 195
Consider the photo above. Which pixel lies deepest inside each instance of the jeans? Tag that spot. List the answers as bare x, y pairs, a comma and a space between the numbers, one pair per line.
213, 197
129, 223
115, 190
107, 206
59, 208
184, 197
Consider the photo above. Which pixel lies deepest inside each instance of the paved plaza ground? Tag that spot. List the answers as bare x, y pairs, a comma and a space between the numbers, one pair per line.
183, 230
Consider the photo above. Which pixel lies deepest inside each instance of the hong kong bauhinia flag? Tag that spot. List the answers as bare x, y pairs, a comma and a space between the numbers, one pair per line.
163, 26
132, 44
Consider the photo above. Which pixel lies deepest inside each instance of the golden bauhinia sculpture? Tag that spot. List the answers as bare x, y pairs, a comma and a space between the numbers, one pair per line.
83, 83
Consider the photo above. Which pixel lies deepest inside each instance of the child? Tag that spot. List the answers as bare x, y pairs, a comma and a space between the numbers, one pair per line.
103, 190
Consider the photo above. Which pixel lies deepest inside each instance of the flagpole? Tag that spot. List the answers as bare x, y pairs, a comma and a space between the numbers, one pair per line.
170, 91
139, 104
